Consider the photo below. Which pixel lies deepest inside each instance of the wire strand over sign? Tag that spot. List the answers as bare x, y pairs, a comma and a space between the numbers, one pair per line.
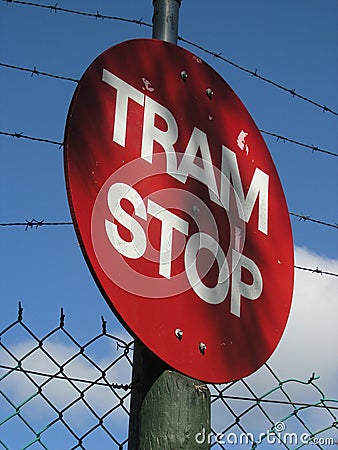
34, 71
29, 224
98, 15
36, 223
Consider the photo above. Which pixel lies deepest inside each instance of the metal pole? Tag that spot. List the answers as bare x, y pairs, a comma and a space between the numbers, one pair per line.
165, 20
167, 409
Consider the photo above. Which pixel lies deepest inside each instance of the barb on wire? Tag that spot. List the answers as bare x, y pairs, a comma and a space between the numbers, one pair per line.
19, 368
31, 138
279, 137
293, 141
29, 224
220, 394
97, 15
218, 55
38, 223
260, 77
317, 270
303, 218
34, 71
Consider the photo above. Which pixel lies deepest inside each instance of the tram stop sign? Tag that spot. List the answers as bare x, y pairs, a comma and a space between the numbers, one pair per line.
179, 209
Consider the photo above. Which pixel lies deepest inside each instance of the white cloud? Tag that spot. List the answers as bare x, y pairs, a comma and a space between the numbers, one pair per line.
309, 343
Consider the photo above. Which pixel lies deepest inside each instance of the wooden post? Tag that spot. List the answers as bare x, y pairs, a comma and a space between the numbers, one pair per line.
168, 411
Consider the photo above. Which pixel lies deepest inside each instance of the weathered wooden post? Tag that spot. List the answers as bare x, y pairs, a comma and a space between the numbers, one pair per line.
168, 410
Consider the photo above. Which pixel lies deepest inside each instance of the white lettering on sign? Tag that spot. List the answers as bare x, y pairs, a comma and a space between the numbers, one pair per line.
216, 294
259, 187
124, 92
240, 289
153, 134
136, 247
257, 194
170, 222
187, 167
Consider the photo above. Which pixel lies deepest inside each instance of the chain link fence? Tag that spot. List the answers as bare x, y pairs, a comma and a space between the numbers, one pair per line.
58, 393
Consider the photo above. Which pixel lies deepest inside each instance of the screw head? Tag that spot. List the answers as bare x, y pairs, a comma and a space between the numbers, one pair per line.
209, 92
179, 333
202, 347
184, 75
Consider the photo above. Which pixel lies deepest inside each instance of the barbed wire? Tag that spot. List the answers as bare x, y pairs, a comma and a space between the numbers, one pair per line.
98, 15
273, 401
284, 139
33, 223
125, 387
30, 138
260, 77
128, 386
34, 71
303, 218
29, 224
36, 223
317, 270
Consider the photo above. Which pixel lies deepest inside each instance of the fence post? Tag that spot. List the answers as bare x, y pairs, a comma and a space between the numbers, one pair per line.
168, 411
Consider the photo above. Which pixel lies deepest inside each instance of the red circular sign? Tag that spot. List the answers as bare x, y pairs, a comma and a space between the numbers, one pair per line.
179, 209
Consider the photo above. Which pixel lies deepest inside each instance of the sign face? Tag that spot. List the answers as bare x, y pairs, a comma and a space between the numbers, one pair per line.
179, 209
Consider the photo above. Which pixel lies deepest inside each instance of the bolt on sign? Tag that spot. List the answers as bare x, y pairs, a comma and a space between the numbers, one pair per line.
179, 209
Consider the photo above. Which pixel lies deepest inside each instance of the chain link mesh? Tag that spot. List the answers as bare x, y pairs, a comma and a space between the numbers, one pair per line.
58, 393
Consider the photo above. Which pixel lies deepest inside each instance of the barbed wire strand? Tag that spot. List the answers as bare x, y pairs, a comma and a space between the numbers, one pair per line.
218, 55
127, 387
260, 77
39, 223
97, 15
273, 401
33, 223
317, 270
30, 138
284, 139
34, 71
303, 218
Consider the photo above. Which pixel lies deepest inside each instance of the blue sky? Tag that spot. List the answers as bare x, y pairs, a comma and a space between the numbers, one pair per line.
294, 44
